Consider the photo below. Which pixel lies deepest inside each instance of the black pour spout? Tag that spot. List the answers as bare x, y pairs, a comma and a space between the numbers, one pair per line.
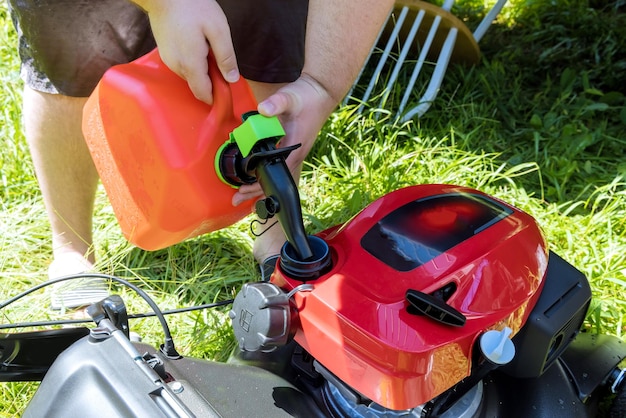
251, 155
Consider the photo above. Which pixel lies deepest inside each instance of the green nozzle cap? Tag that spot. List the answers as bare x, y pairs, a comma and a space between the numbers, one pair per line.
255, 128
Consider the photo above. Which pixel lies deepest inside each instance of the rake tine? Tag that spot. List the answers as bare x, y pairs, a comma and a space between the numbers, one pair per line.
383, 58
420, 62
447, 5
380, 33
401, 59
435, 82
488, 20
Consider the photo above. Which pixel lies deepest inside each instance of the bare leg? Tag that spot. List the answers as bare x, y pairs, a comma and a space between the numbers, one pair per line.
68, 181
65, 171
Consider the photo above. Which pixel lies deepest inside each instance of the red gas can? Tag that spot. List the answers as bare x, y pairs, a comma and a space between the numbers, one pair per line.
154, 146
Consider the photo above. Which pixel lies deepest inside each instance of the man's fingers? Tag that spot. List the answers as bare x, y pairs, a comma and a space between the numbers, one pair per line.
197, 76
228, 67
247, 192
275, 105
223, 51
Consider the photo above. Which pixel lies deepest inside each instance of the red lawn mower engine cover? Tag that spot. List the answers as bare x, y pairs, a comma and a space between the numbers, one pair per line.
416, 278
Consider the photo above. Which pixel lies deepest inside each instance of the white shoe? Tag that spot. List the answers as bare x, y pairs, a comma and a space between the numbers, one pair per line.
78, 292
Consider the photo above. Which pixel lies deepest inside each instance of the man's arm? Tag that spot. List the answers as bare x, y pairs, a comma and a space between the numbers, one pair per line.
340, 35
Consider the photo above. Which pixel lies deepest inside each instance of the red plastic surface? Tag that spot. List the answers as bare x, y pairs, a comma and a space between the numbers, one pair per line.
154, 146
355, 321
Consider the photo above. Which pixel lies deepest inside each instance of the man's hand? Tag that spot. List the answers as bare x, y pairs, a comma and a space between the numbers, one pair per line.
184, 31
302, 107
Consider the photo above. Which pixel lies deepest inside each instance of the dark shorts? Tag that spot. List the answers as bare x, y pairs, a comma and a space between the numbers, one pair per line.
66, 45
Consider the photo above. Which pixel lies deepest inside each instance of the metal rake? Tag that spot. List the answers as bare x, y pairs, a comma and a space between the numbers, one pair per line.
419, 38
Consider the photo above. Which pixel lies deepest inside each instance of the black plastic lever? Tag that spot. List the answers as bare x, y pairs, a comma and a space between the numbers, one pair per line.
111, 308
421, 303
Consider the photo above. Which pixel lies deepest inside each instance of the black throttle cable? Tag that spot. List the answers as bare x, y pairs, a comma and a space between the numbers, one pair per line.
167, 348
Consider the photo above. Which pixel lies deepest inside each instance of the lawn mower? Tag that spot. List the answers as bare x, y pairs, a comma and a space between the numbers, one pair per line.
433, 301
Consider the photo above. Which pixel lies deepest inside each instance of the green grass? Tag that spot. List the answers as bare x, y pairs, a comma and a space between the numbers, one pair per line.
540, 122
